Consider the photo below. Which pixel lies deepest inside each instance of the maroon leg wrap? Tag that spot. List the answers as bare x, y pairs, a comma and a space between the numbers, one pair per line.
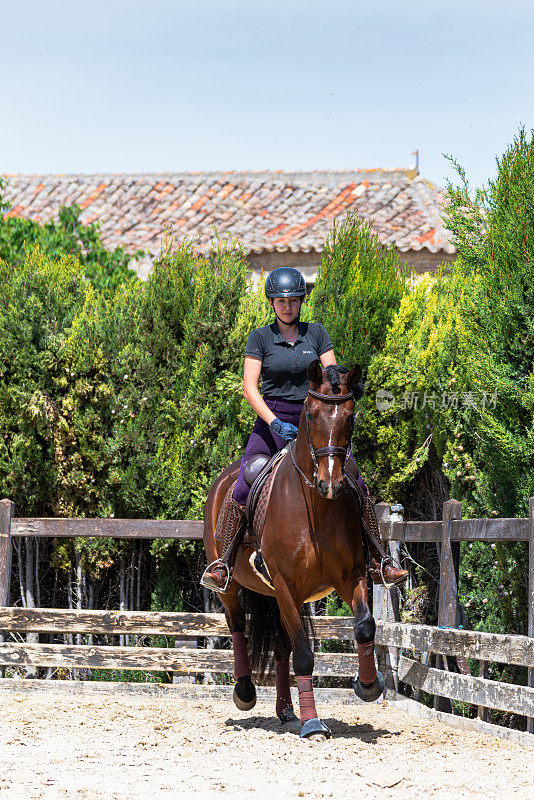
283, 692
306, 701
241, 662
366, 662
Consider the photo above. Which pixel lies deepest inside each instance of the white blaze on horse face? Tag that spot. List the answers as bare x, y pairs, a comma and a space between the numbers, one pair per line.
330, 492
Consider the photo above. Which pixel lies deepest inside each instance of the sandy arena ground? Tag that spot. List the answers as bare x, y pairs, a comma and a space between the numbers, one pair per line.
130, 748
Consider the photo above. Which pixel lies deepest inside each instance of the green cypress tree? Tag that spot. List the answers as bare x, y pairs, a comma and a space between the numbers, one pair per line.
40, 300
210, 421
358, 288
468, 336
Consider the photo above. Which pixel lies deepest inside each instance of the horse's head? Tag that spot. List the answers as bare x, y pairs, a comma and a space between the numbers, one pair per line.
329, 414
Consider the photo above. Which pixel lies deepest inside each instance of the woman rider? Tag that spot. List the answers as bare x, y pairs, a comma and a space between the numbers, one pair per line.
281, 353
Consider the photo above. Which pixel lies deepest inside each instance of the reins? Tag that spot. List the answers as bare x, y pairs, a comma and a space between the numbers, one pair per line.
320, 452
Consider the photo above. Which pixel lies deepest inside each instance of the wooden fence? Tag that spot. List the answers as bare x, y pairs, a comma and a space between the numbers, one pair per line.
448, 680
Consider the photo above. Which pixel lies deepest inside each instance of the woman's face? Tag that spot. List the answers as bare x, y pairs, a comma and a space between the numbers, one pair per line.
287, 308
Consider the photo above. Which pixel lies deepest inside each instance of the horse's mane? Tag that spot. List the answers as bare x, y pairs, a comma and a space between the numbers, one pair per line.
333, 374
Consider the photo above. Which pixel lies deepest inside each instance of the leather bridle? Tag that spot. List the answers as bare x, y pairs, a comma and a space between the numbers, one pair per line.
329, 450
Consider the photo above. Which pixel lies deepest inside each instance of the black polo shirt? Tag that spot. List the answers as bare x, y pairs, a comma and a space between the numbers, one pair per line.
284, 366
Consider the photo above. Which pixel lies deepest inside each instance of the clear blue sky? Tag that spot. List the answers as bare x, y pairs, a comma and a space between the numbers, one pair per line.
130, 86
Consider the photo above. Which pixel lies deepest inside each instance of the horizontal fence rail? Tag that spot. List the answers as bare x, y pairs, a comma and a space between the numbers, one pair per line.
498, 647
166, 623
501, 648
182, 661
480, 691
461, 530
111, 528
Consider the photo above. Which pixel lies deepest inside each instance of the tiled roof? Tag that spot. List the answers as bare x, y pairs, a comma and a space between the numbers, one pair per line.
269, 211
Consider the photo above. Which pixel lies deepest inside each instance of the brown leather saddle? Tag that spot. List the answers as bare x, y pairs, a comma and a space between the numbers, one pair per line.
259, 474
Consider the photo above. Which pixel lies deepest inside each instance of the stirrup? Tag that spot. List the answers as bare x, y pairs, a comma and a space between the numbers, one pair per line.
378, 572
206, 583
388, 561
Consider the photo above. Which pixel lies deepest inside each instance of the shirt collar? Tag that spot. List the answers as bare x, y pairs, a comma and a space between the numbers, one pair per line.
279, 339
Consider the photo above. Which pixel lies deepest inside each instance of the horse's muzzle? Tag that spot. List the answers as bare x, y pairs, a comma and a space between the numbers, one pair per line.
330, 490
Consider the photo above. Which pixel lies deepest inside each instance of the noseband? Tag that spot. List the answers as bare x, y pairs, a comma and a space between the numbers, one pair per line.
329, 450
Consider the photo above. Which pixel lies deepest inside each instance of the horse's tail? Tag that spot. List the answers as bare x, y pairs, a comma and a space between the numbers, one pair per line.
264, 628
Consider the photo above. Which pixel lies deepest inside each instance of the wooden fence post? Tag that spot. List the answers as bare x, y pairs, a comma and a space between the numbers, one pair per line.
448, 584
191, 644
7, 512
396, 515
386, 605
483, 712
382, 514
530, 596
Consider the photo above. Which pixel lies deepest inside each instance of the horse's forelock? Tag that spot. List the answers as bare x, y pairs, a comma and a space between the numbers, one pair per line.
333, 374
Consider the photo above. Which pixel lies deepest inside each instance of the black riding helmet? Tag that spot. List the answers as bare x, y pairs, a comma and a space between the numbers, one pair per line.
285, 282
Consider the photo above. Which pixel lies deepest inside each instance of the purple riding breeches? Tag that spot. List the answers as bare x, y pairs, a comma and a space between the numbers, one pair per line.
264, 440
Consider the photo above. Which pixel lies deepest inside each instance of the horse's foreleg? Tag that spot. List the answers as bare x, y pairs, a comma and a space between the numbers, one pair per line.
244, 690
282, 651
284, 703
303, 662
369, 683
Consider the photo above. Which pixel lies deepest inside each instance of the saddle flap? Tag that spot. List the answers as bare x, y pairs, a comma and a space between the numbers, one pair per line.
262, 505
223, 514
257, 486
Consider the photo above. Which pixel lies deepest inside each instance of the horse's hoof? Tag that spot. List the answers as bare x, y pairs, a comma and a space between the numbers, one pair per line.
287, 715
244, 694
369, 692
316, 730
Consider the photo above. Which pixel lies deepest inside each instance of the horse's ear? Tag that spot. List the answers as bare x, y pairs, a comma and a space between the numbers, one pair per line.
353, 381
315, 372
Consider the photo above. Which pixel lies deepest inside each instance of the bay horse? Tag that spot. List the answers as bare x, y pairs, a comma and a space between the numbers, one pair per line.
311, 544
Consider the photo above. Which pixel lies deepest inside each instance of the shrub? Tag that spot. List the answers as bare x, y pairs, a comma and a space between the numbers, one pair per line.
466, 340
358, 288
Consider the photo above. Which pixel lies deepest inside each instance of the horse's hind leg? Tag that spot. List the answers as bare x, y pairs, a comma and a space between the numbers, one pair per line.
244, 690
282, 651
369, 683
303, 662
